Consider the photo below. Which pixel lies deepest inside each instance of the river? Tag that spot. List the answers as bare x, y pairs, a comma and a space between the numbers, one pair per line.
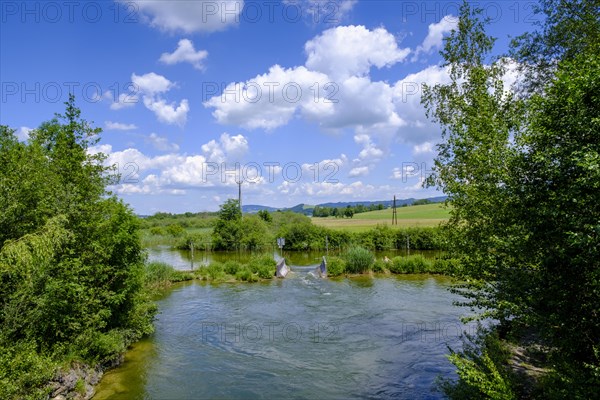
299, 337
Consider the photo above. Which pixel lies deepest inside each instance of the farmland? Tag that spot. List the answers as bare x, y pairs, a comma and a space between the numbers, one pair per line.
411, 216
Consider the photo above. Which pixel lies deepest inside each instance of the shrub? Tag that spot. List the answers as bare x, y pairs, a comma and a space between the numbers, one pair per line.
162, 274
231, 267
266, 272
214, 271
335, 266
175, 230
481, 368
445, 266
199, 240
24, 371
359, 260
414, 264
379, 266
245, 275
157, 230
258, 262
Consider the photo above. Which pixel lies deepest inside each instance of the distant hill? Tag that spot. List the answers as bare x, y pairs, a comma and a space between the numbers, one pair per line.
253, 208
306, 209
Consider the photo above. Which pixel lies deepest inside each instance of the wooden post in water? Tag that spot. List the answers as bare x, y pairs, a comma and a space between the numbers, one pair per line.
192, 247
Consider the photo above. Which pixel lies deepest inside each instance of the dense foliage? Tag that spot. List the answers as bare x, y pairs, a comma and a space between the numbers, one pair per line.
259, 267
359, 260
523, 176
232, 231
71, 262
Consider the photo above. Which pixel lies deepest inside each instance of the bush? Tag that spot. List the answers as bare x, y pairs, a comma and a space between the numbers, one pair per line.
24, 371
199, 240
214, 271
175, 230
161, 274
481, 368
245, 275
101, 347
262, 261
157, 230
231, 267
445, 266
415, 264
379, 266
335, 266
359, 260
266, 272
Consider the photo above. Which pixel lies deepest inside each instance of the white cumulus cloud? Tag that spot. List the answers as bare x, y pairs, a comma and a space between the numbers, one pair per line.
118, 126
162, 143
231, 148
185, 52
359, 171
152, 87
347, 51
189, 15
333, 88
435, 35
169, 113
151, 83
270, 100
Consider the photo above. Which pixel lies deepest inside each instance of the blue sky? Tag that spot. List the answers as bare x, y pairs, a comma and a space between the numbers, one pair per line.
304, 101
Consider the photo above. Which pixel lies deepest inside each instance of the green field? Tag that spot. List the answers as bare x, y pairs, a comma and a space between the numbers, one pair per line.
425, 215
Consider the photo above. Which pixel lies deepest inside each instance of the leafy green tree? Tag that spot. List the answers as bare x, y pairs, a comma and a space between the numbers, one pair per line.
567, 27
227, 233
522, 175
421, 202
265, 216
71, 262
335, 212
349, 212
299, 232
558, 179
477, 118
255, 234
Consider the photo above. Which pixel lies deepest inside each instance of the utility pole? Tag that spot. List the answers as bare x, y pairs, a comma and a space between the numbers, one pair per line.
394, 213
240, 194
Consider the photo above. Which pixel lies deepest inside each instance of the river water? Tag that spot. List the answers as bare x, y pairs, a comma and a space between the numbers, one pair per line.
301, 337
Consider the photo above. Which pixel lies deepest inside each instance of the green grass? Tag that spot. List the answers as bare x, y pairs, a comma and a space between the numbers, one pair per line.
411, 216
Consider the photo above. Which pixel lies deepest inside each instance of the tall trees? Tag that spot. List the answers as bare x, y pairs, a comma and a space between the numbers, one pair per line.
478, 118
71, 262
558, 179
227, 232
523, 176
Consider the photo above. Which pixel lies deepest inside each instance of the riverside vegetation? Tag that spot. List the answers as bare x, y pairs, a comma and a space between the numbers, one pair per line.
228, 230
521, 169
71, 261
